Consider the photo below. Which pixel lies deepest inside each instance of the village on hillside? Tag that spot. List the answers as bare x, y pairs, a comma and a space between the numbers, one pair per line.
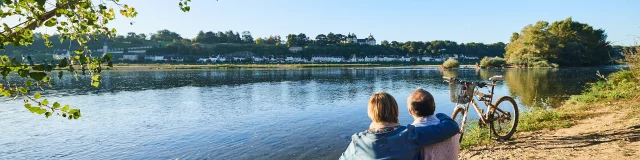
139, 55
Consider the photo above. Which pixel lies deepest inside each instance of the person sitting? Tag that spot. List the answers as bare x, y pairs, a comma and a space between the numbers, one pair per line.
387, 139
421, 106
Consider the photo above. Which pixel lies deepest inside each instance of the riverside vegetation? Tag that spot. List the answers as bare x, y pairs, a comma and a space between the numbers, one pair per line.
617, 93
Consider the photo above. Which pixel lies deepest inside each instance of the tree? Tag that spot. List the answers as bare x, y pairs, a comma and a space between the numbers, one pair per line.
259, 41
246, 37
291, 40
302, 39
78, 20
321, 40
384, 43
567, 42
331, 38
166, 36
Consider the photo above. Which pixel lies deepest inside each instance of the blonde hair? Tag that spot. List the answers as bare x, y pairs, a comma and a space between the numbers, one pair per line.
383, 108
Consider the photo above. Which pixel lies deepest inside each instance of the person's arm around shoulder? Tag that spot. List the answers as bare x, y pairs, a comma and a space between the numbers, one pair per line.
427, 135
350, 152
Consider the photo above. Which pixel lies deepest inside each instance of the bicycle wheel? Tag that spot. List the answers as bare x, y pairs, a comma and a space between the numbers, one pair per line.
504, 118
460, 118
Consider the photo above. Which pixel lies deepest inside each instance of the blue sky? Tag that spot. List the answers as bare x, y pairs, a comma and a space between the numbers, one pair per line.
486, 21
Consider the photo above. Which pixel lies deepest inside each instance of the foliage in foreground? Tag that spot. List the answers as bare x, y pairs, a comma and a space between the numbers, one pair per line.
76, 20
494, 62
451, 63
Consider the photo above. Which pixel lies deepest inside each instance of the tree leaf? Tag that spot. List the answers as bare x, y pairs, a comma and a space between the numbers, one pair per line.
36, 96
50, 23
37, 75
56, 105
65, 108
22, 90
47, 114
44, 102
38, 67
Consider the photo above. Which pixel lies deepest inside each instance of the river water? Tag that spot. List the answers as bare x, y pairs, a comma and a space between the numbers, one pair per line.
244, 114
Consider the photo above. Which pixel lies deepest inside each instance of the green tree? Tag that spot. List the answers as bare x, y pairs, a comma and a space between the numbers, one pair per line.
321, 40
246, 37
166, 36
566, 42
259, 41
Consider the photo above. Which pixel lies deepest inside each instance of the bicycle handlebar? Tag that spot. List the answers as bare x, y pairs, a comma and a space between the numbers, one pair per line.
479, 84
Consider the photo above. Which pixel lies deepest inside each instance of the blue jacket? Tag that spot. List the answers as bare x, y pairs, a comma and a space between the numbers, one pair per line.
402, 143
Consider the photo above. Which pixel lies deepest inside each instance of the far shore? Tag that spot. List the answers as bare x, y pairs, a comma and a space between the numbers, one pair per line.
144, 67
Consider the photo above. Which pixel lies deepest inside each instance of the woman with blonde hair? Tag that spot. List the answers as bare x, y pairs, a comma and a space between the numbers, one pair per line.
387, 139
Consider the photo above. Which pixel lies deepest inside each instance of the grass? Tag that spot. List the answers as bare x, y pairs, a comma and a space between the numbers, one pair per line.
475, 135
544, 119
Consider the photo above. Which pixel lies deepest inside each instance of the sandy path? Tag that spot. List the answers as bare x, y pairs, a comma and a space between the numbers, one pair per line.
609, 136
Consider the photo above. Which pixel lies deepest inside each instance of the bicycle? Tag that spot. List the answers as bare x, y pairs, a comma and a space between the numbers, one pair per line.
502, 117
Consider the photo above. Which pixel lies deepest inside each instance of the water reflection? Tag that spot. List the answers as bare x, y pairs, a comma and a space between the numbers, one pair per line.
241, 114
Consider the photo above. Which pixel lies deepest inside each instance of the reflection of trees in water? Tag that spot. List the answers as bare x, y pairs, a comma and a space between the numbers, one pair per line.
532, 86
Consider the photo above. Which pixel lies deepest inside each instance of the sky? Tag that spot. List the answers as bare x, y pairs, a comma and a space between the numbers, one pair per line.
463, 21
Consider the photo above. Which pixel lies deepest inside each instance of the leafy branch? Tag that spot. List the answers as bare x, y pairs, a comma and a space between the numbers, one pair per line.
79, 20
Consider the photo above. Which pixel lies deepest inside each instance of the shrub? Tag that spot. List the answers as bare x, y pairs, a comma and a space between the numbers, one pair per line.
543, 64
451, 63
487, 62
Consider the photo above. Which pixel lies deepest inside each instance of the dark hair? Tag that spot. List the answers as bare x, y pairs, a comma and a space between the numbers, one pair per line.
421, 103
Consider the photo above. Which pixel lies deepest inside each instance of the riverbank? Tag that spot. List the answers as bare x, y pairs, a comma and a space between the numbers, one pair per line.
143, 67
602, 122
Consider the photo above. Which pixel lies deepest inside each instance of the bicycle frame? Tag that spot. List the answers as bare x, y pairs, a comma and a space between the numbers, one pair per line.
486, 98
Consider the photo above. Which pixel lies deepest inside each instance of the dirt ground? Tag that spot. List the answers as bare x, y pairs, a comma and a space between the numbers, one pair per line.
611, 135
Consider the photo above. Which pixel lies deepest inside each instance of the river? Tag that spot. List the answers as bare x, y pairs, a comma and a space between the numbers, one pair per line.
244, 114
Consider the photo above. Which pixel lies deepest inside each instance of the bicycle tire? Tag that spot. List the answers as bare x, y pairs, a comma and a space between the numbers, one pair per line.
460, 118
515, 113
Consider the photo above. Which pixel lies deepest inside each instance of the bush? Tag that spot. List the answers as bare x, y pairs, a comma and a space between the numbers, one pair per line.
451, 63
543, 64
494, 62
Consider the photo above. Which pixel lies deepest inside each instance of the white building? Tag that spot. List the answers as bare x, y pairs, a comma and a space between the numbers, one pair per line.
326, 59
62, 56
105, 48
425, 58
404, 59
154, 58
294, 59
368, 41
132, 57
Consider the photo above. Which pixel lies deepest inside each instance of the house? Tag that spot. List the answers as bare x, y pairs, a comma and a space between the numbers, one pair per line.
203, 60
425, 58
367, 41
326, 59
61, 54
131, 57
173, 58
154, 58
404, 59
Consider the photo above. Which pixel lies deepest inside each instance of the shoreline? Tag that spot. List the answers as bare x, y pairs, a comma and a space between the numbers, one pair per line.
148, 67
